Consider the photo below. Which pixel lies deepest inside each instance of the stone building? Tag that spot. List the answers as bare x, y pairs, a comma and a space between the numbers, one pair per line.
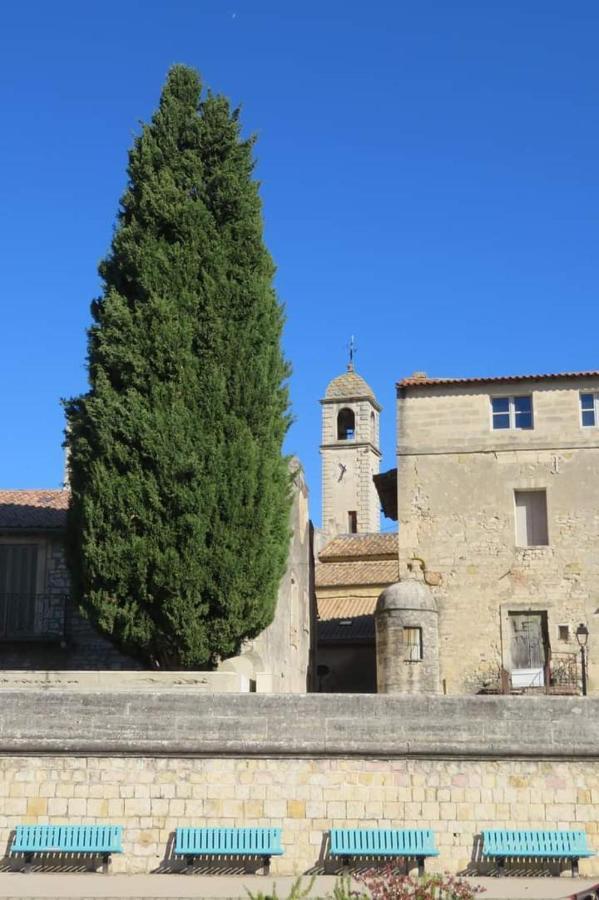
42, 631
498, 507
355, 560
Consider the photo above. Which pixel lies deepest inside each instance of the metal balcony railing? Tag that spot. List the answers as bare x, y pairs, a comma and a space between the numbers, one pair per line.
32, 617
561, 674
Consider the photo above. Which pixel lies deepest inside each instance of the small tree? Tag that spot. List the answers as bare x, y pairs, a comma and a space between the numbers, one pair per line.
178, 524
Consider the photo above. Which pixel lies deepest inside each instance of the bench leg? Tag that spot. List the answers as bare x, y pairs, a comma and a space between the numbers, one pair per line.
345, 861
420, 866
500, 865
266, 860
189, 864
574, 862
105, 863
28, 863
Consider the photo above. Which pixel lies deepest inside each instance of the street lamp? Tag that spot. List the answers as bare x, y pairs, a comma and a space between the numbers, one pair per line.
582, 636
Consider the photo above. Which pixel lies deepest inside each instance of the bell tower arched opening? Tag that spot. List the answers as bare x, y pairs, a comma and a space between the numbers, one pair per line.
346, 424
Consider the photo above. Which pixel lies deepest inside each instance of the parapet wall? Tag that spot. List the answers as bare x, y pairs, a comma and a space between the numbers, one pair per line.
183, 721
305, 763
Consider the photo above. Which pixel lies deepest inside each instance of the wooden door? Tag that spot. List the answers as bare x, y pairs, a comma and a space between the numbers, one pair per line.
528, 647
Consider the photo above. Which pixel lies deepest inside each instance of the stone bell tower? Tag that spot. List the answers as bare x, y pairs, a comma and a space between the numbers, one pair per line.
350, 456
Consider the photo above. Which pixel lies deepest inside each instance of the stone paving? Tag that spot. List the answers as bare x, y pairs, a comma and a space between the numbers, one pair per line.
72, 886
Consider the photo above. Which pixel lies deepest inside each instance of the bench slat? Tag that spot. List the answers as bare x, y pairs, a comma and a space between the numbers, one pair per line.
228, 841
542, 843
383, 842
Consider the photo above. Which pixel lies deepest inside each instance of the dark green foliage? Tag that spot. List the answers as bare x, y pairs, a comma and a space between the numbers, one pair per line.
178, 527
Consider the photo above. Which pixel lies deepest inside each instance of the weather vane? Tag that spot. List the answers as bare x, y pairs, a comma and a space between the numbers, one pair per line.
352, 353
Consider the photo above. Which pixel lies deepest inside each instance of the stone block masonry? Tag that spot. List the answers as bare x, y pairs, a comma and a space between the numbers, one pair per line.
305, 763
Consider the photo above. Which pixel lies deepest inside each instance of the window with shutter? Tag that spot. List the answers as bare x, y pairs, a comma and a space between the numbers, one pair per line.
531, 518
18, 588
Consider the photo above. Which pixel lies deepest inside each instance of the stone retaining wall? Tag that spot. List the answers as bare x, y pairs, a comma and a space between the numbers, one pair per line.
305, 763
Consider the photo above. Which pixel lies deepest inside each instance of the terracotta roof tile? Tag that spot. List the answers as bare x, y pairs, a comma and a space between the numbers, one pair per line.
424, 381
378, 571
33, 509
345, 607
360, 546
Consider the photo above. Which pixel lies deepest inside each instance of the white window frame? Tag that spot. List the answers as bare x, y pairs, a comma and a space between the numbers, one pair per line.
595, 396
511, 398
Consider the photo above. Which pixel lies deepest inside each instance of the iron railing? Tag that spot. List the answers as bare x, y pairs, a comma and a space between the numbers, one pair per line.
32, 617
561, 674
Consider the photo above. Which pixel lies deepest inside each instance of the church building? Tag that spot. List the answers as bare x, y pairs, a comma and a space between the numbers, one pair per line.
355, 560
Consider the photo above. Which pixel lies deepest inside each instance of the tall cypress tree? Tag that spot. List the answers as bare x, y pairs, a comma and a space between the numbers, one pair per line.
178, 524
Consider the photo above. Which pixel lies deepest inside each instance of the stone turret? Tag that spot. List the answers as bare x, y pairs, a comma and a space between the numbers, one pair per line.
407, 638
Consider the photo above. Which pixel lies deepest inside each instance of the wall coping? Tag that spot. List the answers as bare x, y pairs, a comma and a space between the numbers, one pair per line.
187, 723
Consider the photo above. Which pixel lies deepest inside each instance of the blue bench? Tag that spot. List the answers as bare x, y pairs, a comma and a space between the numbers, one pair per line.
413, 843
261, 842
92, 840
503, 843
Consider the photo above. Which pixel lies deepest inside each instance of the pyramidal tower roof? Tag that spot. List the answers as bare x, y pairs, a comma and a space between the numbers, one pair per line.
349, 386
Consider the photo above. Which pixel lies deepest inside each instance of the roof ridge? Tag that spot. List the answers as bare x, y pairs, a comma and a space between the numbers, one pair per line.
412, 381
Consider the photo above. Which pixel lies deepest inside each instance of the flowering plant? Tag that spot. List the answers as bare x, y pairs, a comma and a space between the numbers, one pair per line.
388, 884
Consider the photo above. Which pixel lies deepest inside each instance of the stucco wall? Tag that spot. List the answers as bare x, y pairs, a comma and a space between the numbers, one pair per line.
153, 762
284, 649
456, 480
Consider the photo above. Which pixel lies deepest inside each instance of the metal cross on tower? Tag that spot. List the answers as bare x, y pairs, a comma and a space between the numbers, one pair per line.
352, 353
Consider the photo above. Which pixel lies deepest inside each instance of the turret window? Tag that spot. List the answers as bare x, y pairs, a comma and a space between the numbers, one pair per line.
346, 424
412, 638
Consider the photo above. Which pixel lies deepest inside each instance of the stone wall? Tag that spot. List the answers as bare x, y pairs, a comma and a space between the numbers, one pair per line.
81, 647
457, 478
153, 762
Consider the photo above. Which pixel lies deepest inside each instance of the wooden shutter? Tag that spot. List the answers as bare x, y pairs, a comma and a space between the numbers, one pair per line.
531, 518
18, 584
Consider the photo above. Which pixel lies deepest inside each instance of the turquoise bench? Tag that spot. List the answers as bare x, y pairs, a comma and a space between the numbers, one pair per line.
92, 840
255, 842
413, 843
503, 843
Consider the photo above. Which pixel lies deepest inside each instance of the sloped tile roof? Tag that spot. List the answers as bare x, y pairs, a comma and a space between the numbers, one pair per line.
378, 571
360, 546
422, 380
345, 607
33, 509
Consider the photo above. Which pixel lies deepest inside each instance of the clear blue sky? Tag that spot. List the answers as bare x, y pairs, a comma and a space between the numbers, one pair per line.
430, 181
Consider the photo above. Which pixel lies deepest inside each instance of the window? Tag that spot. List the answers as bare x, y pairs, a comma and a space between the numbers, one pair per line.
531, 518
346, 425
18, 587
563, 632
352, 521
412, 639
511, 412
589, 409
